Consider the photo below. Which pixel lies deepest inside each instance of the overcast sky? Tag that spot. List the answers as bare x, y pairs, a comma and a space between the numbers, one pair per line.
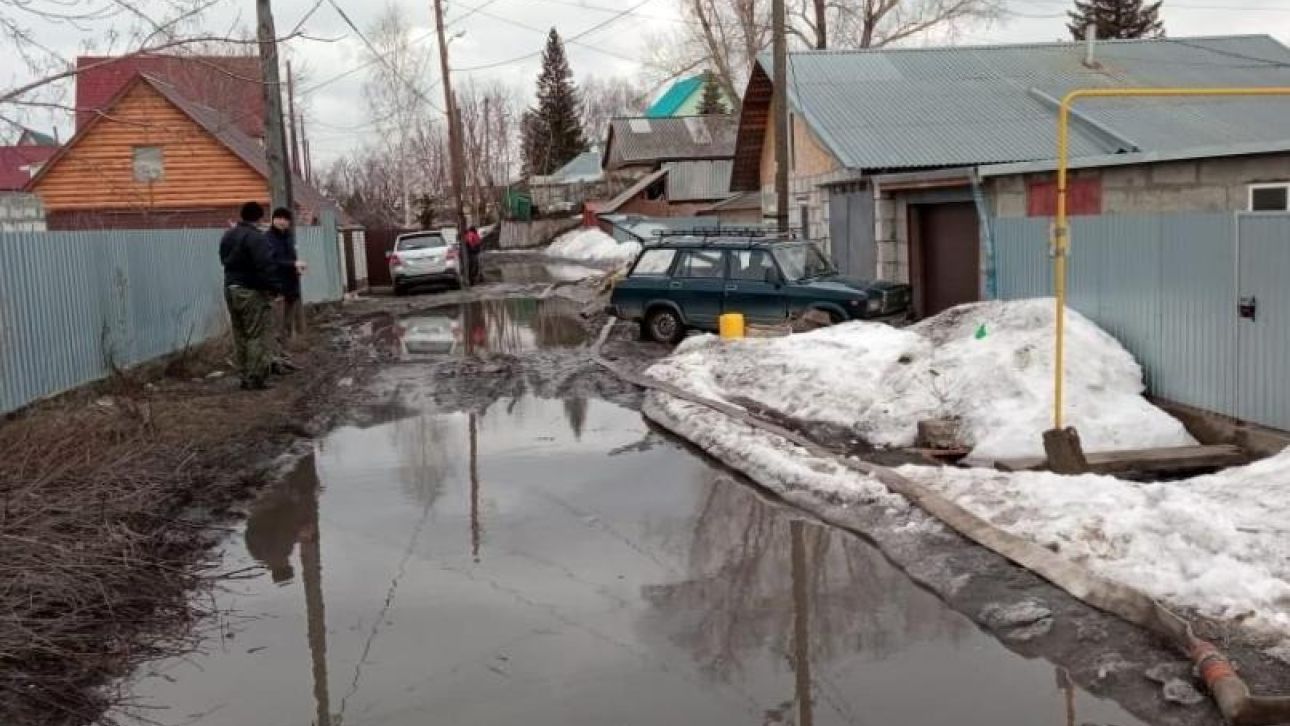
496, 34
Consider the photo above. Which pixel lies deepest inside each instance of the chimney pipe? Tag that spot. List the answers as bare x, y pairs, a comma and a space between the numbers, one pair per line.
1090, 44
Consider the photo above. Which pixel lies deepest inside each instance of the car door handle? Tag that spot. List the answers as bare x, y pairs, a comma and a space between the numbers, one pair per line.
674, 285
732, 288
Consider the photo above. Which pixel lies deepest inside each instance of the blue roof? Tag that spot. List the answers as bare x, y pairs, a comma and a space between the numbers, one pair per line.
584, 167
961, 106
671, 101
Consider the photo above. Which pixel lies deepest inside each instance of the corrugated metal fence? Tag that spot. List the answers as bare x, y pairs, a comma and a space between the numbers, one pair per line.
74, 304
1167, 287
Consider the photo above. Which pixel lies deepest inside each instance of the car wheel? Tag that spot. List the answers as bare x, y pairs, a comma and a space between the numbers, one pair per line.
663, 325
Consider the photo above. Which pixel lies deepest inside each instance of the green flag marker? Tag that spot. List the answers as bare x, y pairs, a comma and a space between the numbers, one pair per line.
980, 332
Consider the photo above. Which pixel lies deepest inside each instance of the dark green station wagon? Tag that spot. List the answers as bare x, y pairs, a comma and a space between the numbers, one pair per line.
687, 282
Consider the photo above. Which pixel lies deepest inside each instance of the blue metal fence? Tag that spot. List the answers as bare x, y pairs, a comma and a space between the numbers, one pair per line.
1167, 286
73, 304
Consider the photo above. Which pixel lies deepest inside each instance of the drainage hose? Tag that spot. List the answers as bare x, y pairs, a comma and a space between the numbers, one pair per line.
1230, 692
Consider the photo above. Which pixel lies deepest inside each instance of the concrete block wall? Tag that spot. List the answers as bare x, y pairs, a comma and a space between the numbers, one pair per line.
809, 190
21, 212
1200, 185
891, 235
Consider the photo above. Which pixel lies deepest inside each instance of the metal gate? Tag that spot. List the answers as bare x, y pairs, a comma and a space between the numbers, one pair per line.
1263, 312
851, 232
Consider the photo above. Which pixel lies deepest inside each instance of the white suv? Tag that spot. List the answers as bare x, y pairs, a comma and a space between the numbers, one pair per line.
423, 258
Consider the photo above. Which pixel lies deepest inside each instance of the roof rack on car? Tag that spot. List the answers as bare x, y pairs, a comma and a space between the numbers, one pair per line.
724, 235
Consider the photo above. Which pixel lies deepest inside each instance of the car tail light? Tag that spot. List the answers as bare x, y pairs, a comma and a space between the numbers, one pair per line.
394, 259
453, 252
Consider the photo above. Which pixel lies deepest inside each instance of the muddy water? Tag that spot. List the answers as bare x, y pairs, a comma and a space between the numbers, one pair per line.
489, 326
547, 562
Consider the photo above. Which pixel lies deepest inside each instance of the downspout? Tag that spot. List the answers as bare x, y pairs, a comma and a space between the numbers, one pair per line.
987, 237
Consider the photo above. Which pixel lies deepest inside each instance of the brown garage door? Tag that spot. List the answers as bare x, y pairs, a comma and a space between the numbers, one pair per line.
945, 256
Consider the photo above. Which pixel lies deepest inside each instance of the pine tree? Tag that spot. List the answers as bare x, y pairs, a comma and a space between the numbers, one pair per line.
712, 102
1117, 19
552, 132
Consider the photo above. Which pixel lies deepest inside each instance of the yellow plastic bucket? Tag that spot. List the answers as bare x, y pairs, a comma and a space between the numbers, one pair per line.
731, 326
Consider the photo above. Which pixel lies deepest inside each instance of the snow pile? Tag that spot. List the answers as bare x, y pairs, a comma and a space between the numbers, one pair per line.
1217, 544
592, 245
989, 364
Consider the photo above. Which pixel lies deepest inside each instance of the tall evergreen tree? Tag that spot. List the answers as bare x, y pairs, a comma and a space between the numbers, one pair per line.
1117, 19
552, 132
712, 102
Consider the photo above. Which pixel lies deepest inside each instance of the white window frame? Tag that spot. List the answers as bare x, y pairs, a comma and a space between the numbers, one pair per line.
161, 166
1251, 188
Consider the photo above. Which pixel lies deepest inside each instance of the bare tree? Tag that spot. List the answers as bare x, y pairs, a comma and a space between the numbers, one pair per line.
607, 98
396, 102
490, 130
726, 36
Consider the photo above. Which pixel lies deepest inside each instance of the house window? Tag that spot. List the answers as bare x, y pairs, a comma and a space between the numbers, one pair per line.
1270, 197
148, 163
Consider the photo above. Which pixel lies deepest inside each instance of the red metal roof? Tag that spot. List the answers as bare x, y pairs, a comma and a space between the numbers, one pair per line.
13, 162
230, 84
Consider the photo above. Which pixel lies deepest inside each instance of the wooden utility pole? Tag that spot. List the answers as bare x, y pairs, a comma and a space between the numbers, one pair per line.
780, 111
454, 131
275, 136
821, 25
292, 119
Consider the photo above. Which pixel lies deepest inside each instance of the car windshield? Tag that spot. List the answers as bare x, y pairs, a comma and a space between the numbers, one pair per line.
421, 242
802, 262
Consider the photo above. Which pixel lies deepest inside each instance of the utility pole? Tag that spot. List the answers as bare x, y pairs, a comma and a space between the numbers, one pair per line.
780, 111
821, 25
275, 136
454, 131
292, 119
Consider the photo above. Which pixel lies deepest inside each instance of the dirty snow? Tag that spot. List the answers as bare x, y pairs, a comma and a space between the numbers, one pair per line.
1217, 544
592, 245
880, 381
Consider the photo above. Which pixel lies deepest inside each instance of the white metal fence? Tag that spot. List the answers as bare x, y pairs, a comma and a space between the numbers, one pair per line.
74, 304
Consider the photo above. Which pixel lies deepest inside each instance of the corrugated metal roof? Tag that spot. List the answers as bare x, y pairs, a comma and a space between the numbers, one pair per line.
677, 95
694, 181
643, 141
584, 167
931, 107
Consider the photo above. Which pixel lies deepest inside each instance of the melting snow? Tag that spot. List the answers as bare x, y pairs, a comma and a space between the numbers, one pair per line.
592, 245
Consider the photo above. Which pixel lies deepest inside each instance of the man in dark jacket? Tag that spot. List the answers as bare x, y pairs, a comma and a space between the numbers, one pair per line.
250, 281
290, 316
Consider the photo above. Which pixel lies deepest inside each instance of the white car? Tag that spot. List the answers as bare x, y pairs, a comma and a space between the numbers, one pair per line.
423, 258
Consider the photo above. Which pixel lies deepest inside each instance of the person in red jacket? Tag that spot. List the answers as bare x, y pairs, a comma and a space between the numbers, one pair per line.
474, 246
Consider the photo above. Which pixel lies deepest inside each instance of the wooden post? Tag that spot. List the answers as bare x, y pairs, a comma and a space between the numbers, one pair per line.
780, 109
292, 119
275, 138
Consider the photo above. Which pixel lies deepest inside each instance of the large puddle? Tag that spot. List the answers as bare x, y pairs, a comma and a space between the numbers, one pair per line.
489, 326
550, 562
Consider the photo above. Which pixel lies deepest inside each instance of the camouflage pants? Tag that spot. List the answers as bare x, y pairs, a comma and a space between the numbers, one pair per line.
252, 329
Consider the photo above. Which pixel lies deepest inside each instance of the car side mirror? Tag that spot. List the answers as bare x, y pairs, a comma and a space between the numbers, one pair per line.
772, 277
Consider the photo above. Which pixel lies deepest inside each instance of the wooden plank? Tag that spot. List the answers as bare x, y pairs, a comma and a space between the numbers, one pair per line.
1144, 460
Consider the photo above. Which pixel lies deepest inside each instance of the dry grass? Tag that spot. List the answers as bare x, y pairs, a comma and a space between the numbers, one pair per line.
105, 500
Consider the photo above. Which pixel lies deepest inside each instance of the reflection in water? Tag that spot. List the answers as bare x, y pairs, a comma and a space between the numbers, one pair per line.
285, 515
633, 590
491, 326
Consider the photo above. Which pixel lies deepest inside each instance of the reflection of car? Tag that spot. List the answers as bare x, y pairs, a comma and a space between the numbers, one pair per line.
422, 258
681, 283
429, 335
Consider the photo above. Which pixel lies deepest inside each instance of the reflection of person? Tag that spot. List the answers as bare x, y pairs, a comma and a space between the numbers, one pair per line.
281, 517
249, 283
289, 314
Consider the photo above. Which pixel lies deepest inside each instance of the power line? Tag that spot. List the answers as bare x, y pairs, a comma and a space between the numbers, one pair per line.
578, 36
381, 58
540, 31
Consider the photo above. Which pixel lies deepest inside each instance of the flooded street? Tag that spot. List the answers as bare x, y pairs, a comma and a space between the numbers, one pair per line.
556, 562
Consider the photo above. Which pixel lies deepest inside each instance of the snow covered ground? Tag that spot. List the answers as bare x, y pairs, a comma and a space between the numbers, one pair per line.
989, 364
1217, 545
592, 245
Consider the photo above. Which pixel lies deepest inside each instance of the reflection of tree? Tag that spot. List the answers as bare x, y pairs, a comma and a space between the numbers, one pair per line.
739, 595
575, 410
425, 461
